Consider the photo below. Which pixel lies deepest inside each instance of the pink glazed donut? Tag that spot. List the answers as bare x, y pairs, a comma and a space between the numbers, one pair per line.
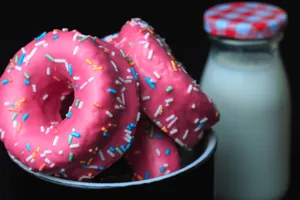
169, 96
126, 125
153, 152
35, 82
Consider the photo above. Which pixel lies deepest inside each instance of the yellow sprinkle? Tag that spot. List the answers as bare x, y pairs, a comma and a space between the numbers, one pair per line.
104, 129
98, 68
132, 63
38, 149
139, 177
56, 131
90, 161
106, 50
96, 105
14, 109
9, 79
82, 162
161, 112
33, 155
164, 129
42, 167
56, 78
17, 103
88, 61
90, 174
150, 30
22, 100
173, 65
19, 127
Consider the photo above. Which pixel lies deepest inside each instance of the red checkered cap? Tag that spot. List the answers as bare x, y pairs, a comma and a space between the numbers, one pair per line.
245, 20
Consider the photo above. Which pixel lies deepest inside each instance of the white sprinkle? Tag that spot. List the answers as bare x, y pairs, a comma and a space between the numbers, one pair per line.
186, 133
197, 129
157, 151
115, 66
45, 96
47, 152
43, 155
101, 155
6, 103
75, 50
45, 45
15, 123
196, 121
156, 75
62, 98
129, 77
189, 90
203, 120
65, 29
144, 98
16, 144
150, 54
127, 139
146, 45
127, 131
76, 78
33, 88
172, 122
123, 98
52, 165
179, 142
113, 53
166, 165
160, 43
118, 82
42, 128
196, 89
23, 50
83, 85
28, 158
60, 152
119, 100
158, 123
128, 81
39, 43
2, 134
138, 117
147, 35
80, 105
47, 130
47, 161
109, 114
169, 100
167, 172
59, 60
55, 141
123, 89
32, 160
48, 71
92, 167
159, 109
18, 68
201, 134
193, 106
173, 131
30, 55
54, 123
91, 79
128, 70
122, 52
73, 146
110, 153
170, 117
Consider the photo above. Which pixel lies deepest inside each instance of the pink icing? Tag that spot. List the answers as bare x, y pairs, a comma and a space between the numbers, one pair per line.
130, 116
169, 96
153, 153
31, 87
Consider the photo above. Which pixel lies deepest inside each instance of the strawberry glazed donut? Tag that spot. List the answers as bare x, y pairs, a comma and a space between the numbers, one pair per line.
34, 83
129, 117
153, 152
169, 96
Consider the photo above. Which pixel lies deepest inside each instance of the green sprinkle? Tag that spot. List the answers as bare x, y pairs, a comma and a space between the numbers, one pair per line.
169, 89
14, 116
119, 151
26, 76
77, 102
129, 43
84, 38
49, 57
71, 156
16, 59
70, 139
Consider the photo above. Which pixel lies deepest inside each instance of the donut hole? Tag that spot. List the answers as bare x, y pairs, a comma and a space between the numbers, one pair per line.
65, 105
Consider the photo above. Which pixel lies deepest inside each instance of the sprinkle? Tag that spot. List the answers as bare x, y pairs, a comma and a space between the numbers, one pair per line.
134, 73
169, 100
157, 152
164, 129
41, 36
42, 128
14, 116
147, 44
71, 157
189, 90
45, 96
110, 153
91, 79
26, 75
42, 167
170, 117
80, 105
60, 152
159, 109
28, 147
47, 161
169, 89
147, 174
2, 134
55, 141
167, 152
158, 135
193, 106
101, 155
21, 59
69, 114
109, 114
25, 116
49, 57
97, 68
27, 82
150, 54
144, 98
172, 122
112, 91
48, 71
70, 138
5, 81
83, 38
75, 134
179, 142
162, 169
70, 69
52, 165
75, 50
119, 151
150, 83
55, 37
173, 131
173, 65
88, 61
115, 66
73, 146
185, 134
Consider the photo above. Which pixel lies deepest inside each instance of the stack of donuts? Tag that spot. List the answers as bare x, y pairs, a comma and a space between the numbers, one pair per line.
132, 100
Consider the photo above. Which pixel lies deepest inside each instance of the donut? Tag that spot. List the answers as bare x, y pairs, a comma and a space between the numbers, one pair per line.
153, 152
169, 96
35, 81
129, 118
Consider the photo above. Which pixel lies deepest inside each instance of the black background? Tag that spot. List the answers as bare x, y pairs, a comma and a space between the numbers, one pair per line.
182, 28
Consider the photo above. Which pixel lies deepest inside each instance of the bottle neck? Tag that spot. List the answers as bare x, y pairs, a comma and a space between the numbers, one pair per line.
252, 53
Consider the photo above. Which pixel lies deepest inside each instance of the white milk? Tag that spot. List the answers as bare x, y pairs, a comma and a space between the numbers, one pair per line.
251, 91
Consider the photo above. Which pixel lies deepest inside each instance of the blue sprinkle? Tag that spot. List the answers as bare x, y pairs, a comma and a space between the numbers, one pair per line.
100, 167
132, 125
148, 80
123, 148
167, 152
105, 134
5, 81
94, 39
70, 69
25, 116
76, 86
28, 147
201, 125
162, 169
158, 135
112, 149
68, 115
27, 82
128, 146
128, 127
12, 105
112, 91
21, 59
62, 171
75, 134
40, 37
147, 174
85, 166
55, 37
134, 73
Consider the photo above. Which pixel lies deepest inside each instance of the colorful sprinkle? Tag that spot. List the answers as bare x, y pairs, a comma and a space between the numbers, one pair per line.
41, 36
